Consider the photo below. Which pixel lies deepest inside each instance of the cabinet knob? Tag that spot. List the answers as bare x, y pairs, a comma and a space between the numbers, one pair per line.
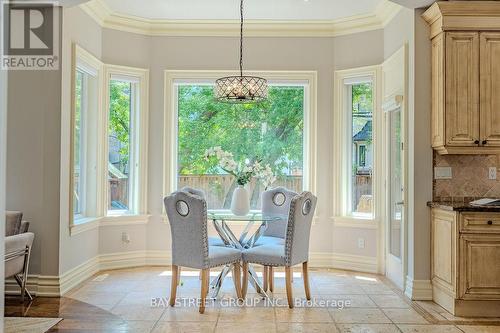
476, 142
485, 142
490, 222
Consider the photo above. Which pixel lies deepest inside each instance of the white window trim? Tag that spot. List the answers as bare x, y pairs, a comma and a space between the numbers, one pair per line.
138, 76
92, 65
172, 77
341, 150
81, 59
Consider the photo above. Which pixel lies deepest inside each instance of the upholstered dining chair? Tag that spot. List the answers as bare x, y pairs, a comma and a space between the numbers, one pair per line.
187, 215
274, 202
215, 241
295, 250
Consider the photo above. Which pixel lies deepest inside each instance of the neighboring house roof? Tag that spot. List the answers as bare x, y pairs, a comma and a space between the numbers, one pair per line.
365, 134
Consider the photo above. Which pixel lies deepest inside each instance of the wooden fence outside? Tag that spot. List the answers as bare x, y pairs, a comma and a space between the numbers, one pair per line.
219, 188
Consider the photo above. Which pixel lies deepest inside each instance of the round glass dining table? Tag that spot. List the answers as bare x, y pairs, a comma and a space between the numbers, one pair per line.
247, 239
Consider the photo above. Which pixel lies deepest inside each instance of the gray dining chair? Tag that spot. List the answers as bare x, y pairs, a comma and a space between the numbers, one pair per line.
187, 215
274, 202
214, 241
295, 250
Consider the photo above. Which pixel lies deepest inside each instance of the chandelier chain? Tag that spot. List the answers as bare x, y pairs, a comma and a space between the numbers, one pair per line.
241, 38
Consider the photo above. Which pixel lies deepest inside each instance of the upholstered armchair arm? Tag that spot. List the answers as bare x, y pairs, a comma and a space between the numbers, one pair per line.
25, 225
15, 251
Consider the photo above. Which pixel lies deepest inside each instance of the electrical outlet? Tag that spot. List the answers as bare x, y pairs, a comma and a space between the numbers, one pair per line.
492, 173
442, 173
361, 243
125, 237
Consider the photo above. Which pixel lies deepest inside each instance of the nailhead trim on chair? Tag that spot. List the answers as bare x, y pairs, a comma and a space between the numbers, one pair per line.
290, 228
205, 235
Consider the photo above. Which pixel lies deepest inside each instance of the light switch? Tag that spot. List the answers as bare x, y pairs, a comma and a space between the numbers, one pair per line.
442, 173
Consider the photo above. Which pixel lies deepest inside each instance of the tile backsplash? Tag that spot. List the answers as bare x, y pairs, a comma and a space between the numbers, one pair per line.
469, 177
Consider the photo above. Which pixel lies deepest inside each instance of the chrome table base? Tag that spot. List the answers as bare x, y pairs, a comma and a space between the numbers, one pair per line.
242, 243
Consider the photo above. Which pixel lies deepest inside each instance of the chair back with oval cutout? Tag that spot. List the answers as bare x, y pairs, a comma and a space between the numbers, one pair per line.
298, 231
277, 202
187, 215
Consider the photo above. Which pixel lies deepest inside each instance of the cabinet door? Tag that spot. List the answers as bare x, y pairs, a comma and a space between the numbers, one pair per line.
490, 89
443, 242
479, 266
462, 88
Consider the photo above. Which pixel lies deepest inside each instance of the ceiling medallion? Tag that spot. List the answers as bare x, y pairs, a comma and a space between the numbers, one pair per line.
240, 89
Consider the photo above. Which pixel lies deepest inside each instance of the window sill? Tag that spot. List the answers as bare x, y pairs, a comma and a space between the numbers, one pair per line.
84, 224
115, 220
354, 222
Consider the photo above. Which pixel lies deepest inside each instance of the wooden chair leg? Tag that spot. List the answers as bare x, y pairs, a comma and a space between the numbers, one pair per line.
288, 278
173, 286
208, 280
244, 280
305, 276
237, 279
204, 284
265, 278
271, 278
179, 275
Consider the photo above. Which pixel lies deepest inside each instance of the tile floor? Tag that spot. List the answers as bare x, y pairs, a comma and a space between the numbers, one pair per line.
121, 301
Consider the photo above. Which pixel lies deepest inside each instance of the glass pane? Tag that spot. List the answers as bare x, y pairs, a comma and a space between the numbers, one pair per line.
362, 149
396, 185
77, 145
271, 132
119, 145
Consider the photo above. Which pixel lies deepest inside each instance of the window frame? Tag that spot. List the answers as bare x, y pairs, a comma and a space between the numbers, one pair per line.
173, 77
138, 141
83, 143
343, 80
90, 65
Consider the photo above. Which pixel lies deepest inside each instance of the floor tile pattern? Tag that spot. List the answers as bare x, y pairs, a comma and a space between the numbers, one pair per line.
135, 300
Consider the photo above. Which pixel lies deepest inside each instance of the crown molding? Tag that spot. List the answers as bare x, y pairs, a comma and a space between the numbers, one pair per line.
106, 18
462, 16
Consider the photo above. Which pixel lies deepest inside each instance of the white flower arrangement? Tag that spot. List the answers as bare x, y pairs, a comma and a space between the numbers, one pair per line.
242, 171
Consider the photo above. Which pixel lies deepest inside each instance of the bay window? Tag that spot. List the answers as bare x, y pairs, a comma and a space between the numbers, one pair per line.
84, 118
109, 145
358, 155
276, 132
126, 140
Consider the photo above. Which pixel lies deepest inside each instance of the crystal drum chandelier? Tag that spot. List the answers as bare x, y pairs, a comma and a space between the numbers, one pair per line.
241, 89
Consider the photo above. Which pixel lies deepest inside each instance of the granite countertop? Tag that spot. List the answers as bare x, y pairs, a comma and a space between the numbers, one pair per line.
461, 206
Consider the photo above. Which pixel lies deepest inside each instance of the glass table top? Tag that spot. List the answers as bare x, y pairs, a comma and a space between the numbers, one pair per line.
253, 215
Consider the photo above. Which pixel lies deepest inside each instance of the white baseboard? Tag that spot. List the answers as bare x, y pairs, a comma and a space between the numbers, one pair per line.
53, 286
343, 261
418, 290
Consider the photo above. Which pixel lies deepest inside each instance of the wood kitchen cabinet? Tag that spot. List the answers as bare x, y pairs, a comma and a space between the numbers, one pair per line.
465, 76
466, 261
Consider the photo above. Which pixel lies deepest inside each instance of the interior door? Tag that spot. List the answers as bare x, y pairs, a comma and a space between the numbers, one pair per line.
395, 186
394, 71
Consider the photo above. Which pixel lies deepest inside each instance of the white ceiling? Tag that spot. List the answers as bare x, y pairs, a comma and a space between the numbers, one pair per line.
254, 9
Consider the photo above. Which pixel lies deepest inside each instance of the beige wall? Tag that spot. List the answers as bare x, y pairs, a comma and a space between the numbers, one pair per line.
408, 27
81, 29
33, 160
